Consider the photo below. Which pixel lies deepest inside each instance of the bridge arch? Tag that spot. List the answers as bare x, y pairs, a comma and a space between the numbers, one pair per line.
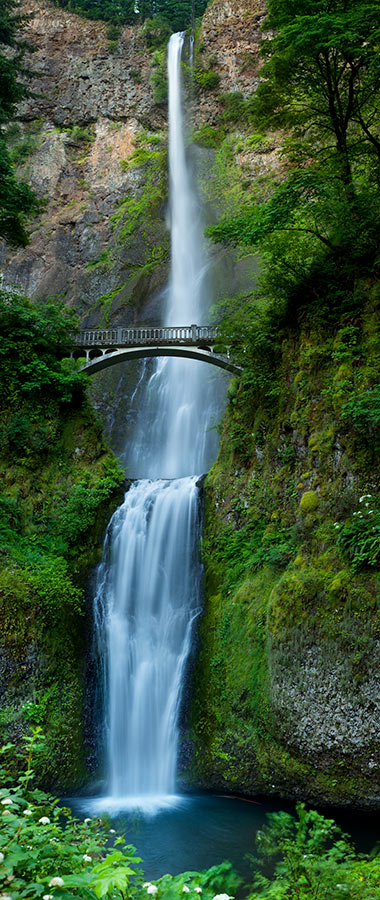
115, 356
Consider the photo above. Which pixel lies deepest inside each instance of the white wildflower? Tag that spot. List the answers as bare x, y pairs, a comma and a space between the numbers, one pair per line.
185, 889
222, 897
5, 897
47, 897
1, 857
7, 801
87, 858
27, 812
112, 831
44, 820
6, 812
86, 821
57, 881
152, 890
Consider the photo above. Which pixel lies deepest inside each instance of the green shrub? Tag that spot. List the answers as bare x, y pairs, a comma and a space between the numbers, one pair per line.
46, 852
113, 32
159, 79
359, 537
362, 409
206, 80
156, 32
33, 339
79, 133
208, 136
312, 860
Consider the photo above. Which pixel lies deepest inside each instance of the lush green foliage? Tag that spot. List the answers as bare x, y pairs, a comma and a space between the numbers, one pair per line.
59, 485
359, 536
313, 860
47, 853
34, 338
17, 201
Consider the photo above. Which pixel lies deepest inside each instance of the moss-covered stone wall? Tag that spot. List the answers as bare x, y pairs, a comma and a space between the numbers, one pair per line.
60, 485
287, 685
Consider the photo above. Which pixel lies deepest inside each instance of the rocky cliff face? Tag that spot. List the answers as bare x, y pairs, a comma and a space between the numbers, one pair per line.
100, 241
231, 34
78, 130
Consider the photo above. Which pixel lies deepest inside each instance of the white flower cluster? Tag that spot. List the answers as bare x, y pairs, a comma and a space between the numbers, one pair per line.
44, 820
57, 881
6, 801
151, 889
87, 858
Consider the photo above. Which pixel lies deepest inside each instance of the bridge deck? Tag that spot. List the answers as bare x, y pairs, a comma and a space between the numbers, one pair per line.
105, 347
146, 335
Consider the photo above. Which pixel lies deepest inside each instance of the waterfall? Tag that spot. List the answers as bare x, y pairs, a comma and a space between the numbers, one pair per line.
148, 584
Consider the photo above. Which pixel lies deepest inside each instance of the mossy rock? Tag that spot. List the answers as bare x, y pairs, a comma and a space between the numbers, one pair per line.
309, 502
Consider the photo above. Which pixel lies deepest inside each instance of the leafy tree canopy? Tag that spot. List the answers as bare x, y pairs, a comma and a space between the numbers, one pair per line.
178, 13
33, 339
323, 69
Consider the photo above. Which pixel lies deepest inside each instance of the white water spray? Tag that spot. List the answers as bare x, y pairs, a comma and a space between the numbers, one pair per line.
149, 583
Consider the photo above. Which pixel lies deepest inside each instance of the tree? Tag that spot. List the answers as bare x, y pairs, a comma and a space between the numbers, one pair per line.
118, 11
178, 13
16, 198
323, 73
321, 85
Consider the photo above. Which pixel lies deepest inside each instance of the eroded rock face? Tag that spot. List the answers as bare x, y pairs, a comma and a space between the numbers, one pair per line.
231, 34
86, 107
87, 110
75, 77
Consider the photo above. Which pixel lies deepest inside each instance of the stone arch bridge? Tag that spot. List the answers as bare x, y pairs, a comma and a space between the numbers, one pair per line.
108, 347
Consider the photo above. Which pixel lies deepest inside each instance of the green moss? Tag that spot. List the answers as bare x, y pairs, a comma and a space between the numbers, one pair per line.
290, 473
309, 502
60, 484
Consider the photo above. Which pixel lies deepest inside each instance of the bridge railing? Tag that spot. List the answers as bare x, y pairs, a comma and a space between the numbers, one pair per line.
147, 334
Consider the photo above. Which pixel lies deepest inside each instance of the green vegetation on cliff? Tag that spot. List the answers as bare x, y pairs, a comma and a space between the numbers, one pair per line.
59, 485
286, 690
17, 200
177, 13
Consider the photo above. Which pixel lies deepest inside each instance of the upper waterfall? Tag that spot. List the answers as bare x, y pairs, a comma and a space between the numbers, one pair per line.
182, 400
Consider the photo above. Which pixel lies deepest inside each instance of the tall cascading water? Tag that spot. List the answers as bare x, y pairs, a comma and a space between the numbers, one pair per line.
148, 584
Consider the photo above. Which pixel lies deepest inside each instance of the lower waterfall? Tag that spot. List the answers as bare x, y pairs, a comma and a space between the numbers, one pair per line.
146, 602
